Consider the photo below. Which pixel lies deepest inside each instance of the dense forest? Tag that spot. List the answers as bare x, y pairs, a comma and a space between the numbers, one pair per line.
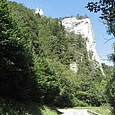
35, 56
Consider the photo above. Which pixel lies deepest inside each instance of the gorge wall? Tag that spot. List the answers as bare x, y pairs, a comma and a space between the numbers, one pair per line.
84, 27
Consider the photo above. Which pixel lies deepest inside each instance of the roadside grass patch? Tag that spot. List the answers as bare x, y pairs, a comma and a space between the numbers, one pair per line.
48, 111
10, 107
102, 110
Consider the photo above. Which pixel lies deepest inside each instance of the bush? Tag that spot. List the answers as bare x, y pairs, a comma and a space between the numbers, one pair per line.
110, 92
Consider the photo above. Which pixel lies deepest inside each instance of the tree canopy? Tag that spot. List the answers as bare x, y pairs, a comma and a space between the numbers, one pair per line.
35, 57
107, 7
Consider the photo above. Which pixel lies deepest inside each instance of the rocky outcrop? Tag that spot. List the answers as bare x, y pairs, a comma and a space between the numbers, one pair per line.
84, 27
73, 66
39, 11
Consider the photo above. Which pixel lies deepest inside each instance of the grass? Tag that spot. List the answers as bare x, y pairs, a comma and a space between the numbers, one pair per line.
49, 111
8, 107
103, 110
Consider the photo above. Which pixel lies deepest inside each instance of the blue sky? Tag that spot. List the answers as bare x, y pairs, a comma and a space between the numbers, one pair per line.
62, 8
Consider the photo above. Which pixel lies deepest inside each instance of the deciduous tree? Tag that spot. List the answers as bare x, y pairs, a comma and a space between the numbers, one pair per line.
17, 77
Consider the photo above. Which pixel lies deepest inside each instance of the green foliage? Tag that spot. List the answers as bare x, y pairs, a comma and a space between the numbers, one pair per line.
68, 84
17, 77
54, 50
79, 17
92, 84
11, 107
107, 7
47, 81
27, 19
110, 92
35, 60
76, 48
110, 88
102, 110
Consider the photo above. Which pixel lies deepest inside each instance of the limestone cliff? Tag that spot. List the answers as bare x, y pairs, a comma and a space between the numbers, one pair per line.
39, 11
84, 27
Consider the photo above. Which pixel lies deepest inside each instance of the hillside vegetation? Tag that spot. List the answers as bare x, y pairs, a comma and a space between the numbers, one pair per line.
35, 54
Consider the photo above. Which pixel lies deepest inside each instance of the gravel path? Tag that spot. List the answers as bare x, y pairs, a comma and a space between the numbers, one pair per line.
73, 112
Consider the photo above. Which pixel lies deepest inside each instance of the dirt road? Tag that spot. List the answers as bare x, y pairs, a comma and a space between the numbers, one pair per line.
73, 112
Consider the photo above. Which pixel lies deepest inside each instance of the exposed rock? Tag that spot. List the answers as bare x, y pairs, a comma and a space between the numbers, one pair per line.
84, 27
39, 11
73, 66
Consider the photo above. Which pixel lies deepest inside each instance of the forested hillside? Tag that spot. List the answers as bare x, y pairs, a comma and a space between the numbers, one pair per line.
35, 53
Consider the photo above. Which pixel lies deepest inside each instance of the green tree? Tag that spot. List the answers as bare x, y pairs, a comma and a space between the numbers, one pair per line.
47, 80
110, 92
55, 50
107, 7
17, 77
27, 19
67, 82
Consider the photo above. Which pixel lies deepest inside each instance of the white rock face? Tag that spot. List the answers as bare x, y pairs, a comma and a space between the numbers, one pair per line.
84, 27
73, 66
39, 11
